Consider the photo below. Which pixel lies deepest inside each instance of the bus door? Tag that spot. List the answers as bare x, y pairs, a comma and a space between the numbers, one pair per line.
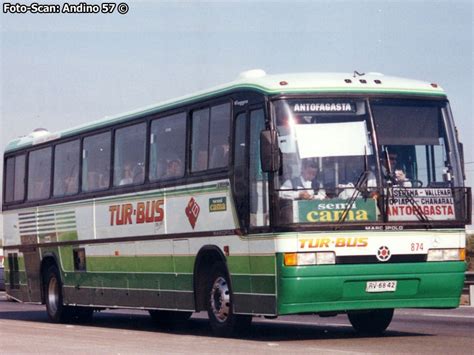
250, 184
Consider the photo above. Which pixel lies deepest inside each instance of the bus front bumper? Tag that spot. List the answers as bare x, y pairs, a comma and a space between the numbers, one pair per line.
339, 288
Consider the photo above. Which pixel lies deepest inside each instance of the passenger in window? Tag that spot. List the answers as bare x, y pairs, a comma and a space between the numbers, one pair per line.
127, 175
174, 168
139, 174
307, 183
401, 178
219, 156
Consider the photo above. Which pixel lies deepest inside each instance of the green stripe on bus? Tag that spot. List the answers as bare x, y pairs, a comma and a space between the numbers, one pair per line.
120, 280
251, 264
260, 284
165, 263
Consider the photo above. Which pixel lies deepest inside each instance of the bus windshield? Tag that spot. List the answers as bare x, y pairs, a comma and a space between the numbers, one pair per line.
330, 171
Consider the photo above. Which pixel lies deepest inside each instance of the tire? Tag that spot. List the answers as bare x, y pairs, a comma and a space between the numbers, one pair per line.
223, 321
53, 291
373, 322
56, 310
169, 317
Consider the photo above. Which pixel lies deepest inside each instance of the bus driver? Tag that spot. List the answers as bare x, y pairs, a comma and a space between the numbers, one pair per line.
306, 183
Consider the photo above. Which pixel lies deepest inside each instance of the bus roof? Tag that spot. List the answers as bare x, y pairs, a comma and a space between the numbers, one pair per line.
258, 80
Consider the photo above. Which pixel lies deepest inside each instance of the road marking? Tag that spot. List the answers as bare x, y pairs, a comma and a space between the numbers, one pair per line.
433, 315
445, 315
304, 323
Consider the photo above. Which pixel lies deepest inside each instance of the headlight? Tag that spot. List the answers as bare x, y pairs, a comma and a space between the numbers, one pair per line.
303, 259
446, 254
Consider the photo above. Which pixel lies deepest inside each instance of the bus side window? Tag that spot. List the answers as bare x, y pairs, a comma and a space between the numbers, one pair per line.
15, 179
200, 140
129, 155
210, 138
66, 169
39, 174
96, 162
167, 147
219, 136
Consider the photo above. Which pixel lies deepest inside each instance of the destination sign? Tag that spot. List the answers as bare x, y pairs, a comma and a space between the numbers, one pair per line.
324, 107
434, 204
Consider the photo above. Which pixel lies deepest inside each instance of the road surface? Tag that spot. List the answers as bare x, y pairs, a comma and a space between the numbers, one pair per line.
25, 329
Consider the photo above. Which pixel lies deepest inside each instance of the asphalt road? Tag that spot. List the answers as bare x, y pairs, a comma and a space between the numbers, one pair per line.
25, 329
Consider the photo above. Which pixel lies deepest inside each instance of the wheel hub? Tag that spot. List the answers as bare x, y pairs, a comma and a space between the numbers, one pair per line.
220, 299
53, 295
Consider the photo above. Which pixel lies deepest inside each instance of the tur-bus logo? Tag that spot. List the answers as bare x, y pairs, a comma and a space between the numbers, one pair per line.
143, 212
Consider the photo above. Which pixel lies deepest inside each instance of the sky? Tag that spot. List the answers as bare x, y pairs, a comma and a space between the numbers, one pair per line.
63, 70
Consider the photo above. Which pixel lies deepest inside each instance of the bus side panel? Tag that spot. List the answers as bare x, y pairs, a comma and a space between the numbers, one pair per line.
22, 277
253, 276
132, 274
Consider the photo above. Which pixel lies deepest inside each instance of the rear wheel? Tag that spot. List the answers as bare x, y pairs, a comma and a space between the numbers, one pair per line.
56, 310
373, 322
222, 319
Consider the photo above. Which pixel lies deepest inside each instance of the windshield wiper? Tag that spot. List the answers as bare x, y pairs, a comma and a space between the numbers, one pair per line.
417, 210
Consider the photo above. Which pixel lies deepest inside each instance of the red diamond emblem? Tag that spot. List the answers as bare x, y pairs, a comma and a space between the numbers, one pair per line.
192, 211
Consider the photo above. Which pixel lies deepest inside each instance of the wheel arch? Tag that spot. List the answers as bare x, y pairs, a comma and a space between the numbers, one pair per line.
49, 259
207, 256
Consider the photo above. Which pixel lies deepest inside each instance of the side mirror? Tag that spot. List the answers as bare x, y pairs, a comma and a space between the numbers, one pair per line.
269, 151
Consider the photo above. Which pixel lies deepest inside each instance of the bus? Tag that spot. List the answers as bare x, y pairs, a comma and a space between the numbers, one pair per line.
309, 193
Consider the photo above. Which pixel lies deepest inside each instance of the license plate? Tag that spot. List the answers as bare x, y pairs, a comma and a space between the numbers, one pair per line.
381, 286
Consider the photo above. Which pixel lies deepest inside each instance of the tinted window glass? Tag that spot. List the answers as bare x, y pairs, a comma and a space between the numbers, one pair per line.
258, 180
219, 137
129, 155
167, 147
19, 193
241, 169
200, 140
96, 162
66, 169
39, 174
9, 179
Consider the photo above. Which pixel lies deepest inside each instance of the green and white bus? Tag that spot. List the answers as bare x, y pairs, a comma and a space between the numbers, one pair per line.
205, 203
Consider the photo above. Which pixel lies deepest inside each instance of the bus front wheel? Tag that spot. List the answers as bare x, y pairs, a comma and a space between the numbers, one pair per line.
373, 322
223, 321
